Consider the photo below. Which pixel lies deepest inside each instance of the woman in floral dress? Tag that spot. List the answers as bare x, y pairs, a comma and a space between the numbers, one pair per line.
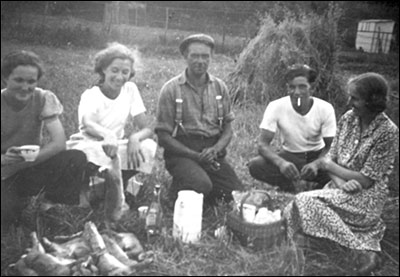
348, 209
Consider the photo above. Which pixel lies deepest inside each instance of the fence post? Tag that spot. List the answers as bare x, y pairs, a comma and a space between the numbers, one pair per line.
223, 31
166, 24
46, 12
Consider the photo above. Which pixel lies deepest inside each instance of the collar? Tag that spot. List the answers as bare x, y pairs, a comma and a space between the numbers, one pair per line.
182, 79
378, 121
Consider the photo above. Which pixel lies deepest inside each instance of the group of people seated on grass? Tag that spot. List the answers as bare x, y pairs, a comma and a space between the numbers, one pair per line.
345, 165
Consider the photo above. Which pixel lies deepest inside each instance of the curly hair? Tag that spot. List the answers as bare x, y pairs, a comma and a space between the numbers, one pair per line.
373, 88
106, 56
18, 58
303, 70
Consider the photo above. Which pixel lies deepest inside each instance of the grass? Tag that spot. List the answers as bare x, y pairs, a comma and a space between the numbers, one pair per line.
68, 74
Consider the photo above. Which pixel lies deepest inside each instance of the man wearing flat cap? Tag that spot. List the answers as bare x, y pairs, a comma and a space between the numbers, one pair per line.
194, 125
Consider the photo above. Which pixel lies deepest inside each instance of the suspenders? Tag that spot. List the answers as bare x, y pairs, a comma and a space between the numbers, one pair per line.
220, 110
179, 111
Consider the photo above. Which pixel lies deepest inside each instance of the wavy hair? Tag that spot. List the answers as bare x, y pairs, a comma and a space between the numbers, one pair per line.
373, 88
106, 56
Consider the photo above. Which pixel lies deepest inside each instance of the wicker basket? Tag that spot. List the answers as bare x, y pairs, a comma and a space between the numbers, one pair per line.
257, 236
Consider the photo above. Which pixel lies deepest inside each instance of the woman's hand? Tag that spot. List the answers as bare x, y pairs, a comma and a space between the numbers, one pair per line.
351, 186
11, 156
135, 154
110, 145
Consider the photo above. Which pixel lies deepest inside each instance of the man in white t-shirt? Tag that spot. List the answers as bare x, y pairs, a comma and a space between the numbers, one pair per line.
306, 126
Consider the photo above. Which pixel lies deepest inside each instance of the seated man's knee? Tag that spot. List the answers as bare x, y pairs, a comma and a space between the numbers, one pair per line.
200, 185
204, 186
256, 167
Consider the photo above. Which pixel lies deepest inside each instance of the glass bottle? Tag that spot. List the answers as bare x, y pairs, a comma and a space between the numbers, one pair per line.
154, 214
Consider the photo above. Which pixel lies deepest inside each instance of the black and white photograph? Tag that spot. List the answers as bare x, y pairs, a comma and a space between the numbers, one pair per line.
199, 138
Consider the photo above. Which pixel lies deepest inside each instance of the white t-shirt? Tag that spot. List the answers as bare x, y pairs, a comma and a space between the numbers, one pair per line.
300, 133
111, 113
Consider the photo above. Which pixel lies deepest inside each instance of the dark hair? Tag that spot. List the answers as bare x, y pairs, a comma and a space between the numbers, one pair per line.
373, 88
106, 56
18, 58
297, 70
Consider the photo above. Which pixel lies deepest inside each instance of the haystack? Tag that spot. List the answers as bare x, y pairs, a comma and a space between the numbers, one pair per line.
309, 39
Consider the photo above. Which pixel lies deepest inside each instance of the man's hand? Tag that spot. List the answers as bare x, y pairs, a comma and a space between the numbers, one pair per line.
208, 155
289, 170
309, 171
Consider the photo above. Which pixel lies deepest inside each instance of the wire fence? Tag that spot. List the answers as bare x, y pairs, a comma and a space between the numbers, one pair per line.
224, 22
240, 24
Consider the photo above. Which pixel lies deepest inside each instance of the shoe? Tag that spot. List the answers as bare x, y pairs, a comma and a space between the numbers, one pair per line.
368, 261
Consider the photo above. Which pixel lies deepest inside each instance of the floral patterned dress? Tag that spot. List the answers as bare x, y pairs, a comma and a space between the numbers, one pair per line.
351, 219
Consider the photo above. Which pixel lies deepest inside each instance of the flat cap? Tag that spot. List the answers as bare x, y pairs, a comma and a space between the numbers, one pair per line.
206, 39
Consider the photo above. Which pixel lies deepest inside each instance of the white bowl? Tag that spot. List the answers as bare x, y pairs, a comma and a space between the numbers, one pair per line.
29, 152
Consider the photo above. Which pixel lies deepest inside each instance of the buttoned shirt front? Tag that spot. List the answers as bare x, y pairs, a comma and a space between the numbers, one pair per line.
199, 108
371, 152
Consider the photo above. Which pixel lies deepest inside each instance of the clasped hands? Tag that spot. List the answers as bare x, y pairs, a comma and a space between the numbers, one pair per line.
208, 156
309, 171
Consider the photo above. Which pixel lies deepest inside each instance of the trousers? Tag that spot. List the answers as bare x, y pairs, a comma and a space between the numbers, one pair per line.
265, 171
190, 175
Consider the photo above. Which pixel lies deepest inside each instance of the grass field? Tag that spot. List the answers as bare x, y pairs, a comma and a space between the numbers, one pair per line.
69, 72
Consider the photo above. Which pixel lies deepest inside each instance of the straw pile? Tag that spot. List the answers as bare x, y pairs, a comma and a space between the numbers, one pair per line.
311, 39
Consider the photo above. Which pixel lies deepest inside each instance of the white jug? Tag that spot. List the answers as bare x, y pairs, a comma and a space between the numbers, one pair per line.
188, 214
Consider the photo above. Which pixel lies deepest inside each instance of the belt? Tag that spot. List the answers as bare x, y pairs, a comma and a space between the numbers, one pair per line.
197, 137
307, 154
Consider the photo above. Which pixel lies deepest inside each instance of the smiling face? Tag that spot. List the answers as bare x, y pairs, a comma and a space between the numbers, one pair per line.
198, 58
356, 102
117, 74
22, 82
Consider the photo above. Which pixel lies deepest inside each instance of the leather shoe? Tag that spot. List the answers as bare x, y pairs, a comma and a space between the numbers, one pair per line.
368, 261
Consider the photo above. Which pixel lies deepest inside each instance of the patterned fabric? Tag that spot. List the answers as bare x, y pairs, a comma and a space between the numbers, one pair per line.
351, 219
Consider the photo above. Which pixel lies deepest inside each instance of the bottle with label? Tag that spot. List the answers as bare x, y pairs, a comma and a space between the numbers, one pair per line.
154, 214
